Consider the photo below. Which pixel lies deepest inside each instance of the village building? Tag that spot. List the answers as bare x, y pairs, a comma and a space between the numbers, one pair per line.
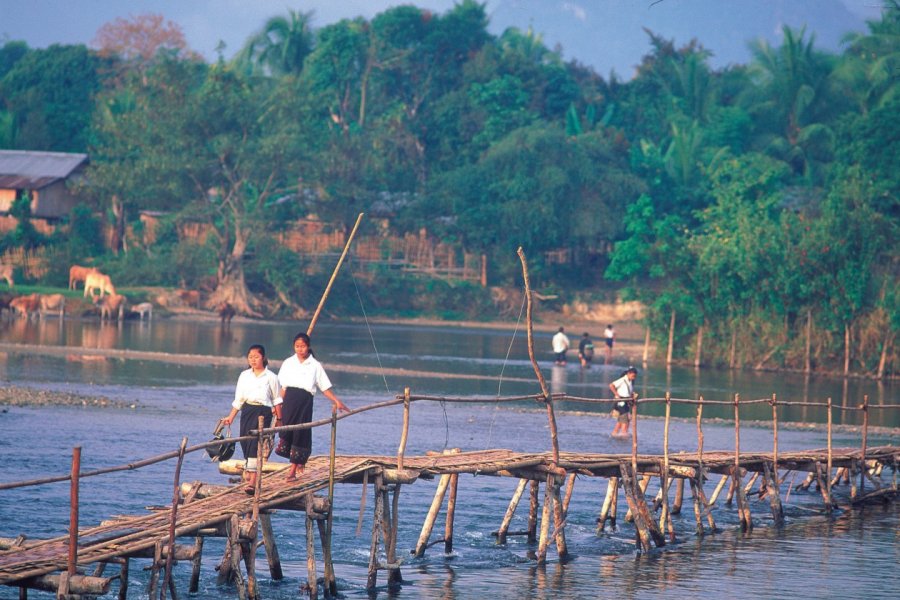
47, 177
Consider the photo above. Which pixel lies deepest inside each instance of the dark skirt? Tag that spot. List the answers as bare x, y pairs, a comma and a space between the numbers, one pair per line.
296, 409
250, 415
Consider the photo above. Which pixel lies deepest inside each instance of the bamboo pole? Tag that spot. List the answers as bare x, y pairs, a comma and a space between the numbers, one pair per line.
330, 579
544, 540
372, 578
337, 267
123, 579
451, 510
428, 525
234, 543
679, 496
743, 508
510, 511
248, 552
72, 561
718, 489
559, 522
773, 483
394, 576
664, 519
405, 431
176, 496
828, 483
153, 591
865, 439
548, 398
612, 490
312, 582
570, 488
272, 556
533, 501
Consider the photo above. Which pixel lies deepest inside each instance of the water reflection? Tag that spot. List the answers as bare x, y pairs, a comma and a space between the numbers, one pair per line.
447, 360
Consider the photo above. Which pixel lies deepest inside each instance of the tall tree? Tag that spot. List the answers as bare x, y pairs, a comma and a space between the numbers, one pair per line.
280, 47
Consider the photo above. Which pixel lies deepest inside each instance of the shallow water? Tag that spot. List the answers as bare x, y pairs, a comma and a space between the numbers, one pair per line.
858, 549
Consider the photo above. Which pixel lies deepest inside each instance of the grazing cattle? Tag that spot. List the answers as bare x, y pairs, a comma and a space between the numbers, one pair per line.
98, 281
226, 312
144, 308
113, 303
190, 297
53, 303
78, 273
5, 299
26, 305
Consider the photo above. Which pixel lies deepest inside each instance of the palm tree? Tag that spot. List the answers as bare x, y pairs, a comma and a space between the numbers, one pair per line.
281, 47
870, 69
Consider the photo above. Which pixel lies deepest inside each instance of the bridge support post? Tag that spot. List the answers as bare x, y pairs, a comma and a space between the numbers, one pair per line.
372, 578
428, 525
311, 576
451, 511
194, 584
510, 511
608, 511
533, 502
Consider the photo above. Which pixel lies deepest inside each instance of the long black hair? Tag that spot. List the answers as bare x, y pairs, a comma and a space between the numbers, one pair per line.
305, 338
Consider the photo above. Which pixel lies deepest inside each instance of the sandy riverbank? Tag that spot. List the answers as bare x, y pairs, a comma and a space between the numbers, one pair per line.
14, 395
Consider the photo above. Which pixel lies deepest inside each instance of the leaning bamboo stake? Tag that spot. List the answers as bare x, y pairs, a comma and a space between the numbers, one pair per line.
664, 520
451, 511
272, 556
679, 496
612, 489
405, 431
372, 578
533, 501
176, 496
312, 583
544, 540
828, 483
510, 511
72, 561
548, 399
428, 525
865, 438
570, 488
774, 487
337, 268
718, 489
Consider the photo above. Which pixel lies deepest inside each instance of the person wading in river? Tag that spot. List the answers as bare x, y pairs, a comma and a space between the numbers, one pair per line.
623, 391
300, 375
257, 394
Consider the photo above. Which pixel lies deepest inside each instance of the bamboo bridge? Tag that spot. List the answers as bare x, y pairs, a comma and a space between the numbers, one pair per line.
199, 510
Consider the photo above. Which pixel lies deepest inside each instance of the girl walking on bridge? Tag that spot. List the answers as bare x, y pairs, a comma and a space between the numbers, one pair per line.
300, 375
257, 394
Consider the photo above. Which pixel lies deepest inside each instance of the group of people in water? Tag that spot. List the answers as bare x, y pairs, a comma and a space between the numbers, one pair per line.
561, 344
622, 388
285, 399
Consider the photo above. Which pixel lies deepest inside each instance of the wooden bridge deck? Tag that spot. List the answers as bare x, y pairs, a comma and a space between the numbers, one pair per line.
127, 535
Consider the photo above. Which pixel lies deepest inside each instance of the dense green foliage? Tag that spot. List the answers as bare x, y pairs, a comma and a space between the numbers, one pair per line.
756, 204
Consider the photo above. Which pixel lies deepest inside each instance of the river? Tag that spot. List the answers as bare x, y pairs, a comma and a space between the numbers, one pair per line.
368, 364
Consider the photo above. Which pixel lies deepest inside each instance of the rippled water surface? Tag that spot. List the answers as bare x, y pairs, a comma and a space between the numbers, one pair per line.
851, 554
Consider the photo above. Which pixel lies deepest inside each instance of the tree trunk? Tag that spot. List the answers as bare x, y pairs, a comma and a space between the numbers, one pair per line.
117, 242
231, 288
885, 348
807, 368
699, 351
671, 338
733, 346
646, 345
846, 349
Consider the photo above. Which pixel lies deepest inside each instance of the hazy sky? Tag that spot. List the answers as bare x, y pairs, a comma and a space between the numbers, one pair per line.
207, 22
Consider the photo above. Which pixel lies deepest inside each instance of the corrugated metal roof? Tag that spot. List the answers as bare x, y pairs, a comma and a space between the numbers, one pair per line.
24, 169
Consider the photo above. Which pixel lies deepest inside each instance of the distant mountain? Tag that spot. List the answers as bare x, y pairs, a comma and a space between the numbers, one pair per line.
609, 34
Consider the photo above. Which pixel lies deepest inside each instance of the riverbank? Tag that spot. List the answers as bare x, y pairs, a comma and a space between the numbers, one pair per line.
14, 395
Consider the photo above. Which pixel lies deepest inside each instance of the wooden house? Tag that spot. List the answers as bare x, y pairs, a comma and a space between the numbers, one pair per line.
46, 177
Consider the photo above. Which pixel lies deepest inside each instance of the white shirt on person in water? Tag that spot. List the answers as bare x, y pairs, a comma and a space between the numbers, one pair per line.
560, 342
624, 386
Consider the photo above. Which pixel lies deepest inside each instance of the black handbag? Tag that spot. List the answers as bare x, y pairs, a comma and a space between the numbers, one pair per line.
225, 450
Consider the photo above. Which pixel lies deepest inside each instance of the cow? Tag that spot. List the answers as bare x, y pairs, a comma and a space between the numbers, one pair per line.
5, 299
144, 308
26, 305
226, 312
78, 273
53, 303
98, 281
113, 303
190, 298
6, 272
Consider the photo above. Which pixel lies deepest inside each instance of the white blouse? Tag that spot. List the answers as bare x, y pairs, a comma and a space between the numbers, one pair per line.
307, 375
262, 389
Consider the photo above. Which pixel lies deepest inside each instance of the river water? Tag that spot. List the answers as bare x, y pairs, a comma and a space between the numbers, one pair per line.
853, 553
